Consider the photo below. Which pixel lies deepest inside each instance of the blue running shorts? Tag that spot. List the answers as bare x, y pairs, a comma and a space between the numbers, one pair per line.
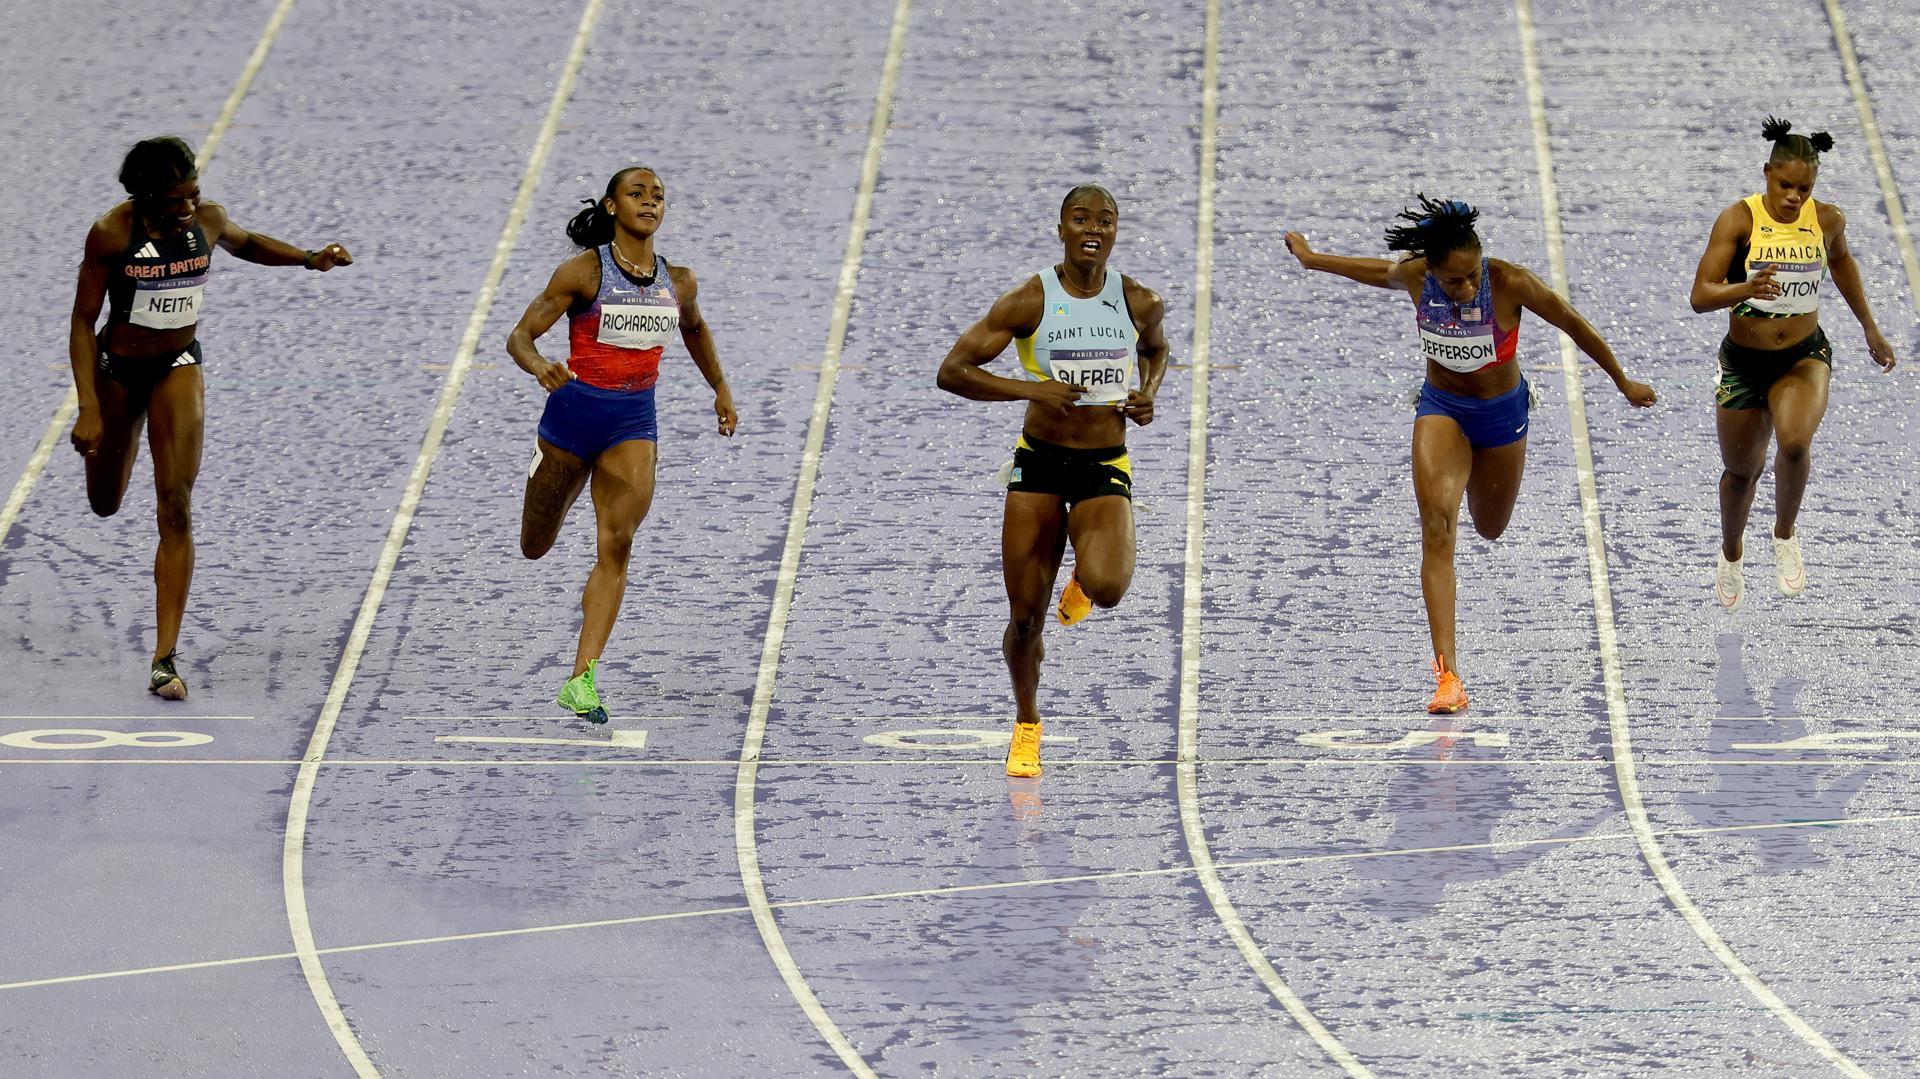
587, 420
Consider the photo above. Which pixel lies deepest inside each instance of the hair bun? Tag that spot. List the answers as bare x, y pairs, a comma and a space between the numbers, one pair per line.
1775, 129
1821, 141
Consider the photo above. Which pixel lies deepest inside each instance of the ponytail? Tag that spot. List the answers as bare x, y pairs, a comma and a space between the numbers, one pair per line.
1437, 229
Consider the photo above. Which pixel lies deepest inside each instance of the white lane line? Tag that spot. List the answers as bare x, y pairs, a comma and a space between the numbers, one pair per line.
1187, 779
70, 404
950, 890
293, 851
1610, 664
745, 842
869, 762
1889, 192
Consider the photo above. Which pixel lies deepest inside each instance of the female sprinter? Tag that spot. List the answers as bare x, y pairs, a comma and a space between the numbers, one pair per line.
1765, 259
623, 304
147, 259
1470, 429
1091, 358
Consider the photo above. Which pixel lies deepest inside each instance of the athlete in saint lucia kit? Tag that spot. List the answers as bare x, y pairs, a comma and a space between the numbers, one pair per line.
1091, 358
147, 260
1766, 260
624, 305
1470, 428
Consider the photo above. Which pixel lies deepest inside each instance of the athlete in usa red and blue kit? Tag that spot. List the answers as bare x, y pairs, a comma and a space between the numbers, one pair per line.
1470, 429
624, 303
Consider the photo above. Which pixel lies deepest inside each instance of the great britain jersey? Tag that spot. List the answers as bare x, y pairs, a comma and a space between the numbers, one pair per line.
157, 284
1463, 336
1796, 251
616, 341
1085, 341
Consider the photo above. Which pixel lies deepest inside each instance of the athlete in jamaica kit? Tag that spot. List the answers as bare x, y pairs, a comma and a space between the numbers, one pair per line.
1766, 259
1470, 429
624, 303
1091, 358
147, 261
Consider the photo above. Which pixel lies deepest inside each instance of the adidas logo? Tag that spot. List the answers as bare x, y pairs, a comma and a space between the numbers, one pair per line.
147, 252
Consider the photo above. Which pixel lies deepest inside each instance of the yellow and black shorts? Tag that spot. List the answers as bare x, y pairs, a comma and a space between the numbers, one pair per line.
1072, 474
1746, 374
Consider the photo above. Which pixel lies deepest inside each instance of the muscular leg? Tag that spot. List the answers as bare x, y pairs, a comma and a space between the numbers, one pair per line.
555, 484
122, 414
1743, 436
622, 494
1033, 536
1798, 403
1442, 463
1102, 533
1493, 486
177, 415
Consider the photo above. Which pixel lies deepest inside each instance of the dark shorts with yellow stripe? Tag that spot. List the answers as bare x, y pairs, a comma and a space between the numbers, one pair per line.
1071, 474
1746, 374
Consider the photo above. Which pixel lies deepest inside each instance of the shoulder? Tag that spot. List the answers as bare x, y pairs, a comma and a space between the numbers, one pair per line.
1143, 301
683, 279
1411, 272
1020, 309
580, 274
1508, 277
1830, 217
110, 234
1737, 216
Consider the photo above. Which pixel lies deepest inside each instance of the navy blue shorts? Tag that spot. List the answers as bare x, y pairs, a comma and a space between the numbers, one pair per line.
586, 420
1487, 421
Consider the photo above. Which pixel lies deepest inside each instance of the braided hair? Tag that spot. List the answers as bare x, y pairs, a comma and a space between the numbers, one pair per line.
154, 165
593, 226
1788, 147
1438, 228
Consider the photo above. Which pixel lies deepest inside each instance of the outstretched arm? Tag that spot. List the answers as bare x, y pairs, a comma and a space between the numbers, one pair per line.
1380, 273
260, 248
1535, 296
693, 331
1846, 278
964, 372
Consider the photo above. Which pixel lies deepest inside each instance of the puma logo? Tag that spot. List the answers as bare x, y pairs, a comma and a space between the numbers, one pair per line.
1111, 304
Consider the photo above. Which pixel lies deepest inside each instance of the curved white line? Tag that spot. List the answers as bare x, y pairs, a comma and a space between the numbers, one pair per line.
70, 404
1882, 168
1618, 724
293, 850
1186, 778
745, 843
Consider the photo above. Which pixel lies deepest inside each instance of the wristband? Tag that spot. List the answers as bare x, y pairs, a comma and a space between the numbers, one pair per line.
308, 261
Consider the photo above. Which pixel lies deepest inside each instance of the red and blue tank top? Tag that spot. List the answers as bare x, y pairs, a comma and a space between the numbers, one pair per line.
1463, 336
616, 341
157, 284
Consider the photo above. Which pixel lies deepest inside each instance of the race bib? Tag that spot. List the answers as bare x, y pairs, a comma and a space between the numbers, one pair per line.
1799, 287
637, 327
1458, 348
1106, 374
167, 305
